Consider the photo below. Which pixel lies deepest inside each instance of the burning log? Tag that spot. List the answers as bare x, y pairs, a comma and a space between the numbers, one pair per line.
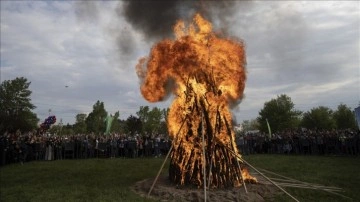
186, 157
209, 75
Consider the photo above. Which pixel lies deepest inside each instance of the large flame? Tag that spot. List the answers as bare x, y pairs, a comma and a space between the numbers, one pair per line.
206, 74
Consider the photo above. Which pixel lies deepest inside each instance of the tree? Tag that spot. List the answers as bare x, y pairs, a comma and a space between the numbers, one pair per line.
165, 113
344, 117
133, 125
16, 106
80, 124
249, 125
122, 127
67, 129
318, 118
143, 115
116, 124
55, 129
153, 123
151, 119
95, 122
163, 128
280, 114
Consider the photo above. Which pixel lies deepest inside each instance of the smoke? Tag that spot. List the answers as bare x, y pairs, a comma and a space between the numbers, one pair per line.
155, 18
90, 12
125, 41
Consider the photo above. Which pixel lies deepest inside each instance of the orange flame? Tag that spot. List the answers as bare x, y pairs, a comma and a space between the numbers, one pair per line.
202, 67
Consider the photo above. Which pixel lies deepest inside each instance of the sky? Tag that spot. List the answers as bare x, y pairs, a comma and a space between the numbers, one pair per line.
77, 52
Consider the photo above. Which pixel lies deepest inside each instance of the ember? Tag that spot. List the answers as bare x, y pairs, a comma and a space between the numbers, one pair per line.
206, 74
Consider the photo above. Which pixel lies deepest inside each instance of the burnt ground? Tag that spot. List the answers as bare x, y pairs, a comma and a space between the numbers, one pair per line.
166, 191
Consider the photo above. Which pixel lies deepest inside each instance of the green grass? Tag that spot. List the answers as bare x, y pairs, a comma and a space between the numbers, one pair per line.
340, 172
110, 179
76, 180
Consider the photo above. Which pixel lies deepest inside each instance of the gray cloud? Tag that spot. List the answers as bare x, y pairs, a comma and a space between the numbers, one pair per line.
86, 11
307, 51
155, 19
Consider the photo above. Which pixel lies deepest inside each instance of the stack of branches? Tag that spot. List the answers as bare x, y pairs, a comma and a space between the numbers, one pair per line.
197, 153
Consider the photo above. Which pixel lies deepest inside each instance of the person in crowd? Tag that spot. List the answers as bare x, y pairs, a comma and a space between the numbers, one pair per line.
20, 147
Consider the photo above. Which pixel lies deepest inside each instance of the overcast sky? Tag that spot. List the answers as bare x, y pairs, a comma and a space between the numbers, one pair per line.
307, 50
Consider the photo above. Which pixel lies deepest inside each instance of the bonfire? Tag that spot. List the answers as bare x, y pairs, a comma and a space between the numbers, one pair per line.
206, 74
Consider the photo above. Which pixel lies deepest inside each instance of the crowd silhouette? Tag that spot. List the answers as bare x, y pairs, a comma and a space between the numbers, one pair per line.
302, 142
20, 148
23, 147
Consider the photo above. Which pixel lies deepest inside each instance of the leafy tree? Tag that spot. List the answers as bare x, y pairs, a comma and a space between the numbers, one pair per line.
280, 113
55, 129
80, 124
122, 127
16, 106
344, 117
95, 122
318, 118
163, 129
249, 125
165, 113
151, 119
116, 124
153, 123
143, 115
133, 125
67, 129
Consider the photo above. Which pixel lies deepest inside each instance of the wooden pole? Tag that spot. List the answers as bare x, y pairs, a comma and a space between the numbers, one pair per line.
305, 183
209, 179
204, 158
302, 183
167, 156
238, 164
246, 191
158, 174
272, 182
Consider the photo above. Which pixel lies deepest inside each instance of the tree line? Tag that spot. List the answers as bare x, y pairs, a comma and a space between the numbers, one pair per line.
148, 121
279, 113
16, 114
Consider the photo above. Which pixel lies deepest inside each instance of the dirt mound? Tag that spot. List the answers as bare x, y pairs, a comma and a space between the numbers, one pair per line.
166, 191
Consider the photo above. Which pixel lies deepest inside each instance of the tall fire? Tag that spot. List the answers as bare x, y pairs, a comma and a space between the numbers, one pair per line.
206, 74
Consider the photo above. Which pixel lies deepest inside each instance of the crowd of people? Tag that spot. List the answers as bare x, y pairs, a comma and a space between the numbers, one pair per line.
23, 147
17, 147
303, 142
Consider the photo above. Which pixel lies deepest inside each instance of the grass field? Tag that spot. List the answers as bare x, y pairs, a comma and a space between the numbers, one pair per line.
340, 172
110, 179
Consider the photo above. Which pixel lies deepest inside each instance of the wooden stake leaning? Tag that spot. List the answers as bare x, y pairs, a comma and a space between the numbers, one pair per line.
327, 189
282, 181
167, 156
246, 191
305, 186
204, 158
158, 174
272, 182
